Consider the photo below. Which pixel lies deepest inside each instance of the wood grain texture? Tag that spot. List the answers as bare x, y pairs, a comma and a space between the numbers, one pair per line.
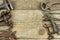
27, 4
33, 4
28, 23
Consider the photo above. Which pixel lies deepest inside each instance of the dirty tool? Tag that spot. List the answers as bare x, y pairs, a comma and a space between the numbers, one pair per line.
47, 5
6, 5
5, 15
54, 27
4, 19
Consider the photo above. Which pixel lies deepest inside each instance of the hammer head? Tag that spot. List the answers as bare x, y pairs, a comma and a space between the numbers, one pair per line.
8, 4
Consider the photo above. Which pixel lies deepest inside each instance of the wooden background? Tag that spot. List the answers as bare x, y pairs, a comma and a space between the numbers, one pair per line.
28, 20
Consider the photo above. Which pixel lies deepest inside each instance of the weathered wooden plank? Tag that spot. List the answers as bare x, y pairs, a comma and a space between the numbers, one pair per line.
27, 23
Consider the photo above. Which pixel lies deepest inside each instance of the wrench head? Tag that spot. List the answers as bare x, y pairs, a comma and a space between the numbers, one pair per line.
43, 6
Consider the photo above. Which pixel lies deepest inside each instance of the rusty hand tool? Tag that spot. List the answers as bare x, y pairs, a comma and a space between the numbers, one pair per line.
54, 27
5, 15
48, 5
53, 24
4, 19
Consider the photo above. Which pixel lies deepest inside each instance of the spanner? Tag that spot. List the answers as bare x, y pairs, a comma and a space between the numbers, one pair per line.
54, 27
48, 5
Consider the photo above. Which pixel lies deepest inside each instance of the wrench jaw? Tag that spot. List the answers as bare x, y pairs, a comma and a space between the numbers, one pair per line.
47, 5
44, 6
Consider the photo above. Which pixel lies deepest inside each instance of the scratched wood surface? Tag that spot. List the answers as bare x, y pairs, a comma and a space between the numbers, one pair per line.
28, 24
30, 4
33, 4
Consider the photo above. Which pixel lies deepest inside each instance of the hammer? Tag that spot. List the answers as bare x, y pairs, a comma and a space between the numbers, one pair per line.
6, 5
